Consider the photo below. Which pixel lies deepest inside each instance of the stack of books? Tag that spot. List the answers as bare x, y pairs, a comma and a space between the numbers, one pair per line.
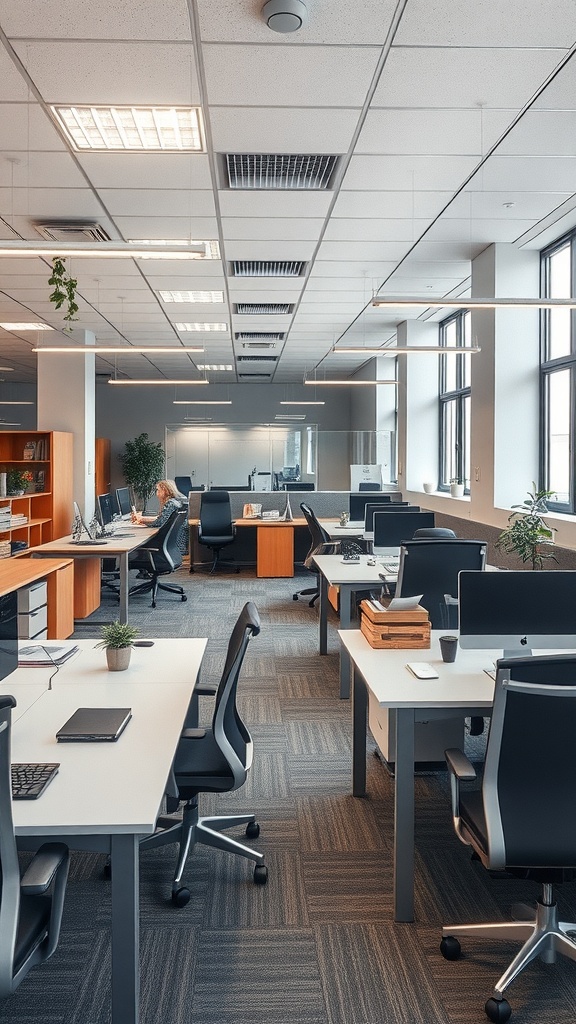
8, 521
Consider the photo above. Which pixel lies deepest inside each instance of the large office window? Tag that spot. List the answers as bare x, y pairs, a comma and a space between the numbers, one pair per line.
558, 375
454, 394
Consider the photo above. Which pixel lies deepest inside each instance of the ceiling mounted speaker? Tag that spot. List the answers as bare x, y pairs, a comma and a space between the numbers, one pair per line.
285, 15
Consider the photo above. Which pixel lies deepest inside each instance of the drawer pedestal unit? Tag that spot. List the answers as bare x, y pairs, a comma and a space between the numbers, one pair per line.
33, 611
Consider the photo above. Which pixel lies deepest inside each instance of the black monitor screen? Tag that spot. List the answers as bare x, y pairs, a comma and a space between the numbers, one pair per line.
369, 487
357, 503
517, 611
106, 510
393, 508
123, 499
391, 530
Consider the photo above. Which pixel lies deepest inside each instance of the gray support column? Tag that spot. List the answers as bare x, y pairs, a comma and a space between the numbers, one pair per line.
66, 401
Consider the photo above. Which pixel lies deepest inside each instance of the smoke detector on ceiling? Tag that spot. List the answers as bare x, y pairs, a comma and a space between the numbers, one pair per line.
285, 15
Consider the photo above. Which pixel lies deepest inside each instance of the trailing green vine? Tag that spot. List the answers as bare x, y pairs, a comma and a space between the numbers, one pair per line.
64, 289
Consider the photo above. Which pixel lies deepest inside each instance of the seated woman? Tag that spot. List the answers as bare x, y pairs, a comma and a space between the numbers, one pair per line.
171, 500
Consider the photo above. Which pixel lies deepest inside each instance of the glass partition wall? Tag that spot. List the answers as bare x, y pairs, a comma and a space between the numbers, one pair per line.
263, 457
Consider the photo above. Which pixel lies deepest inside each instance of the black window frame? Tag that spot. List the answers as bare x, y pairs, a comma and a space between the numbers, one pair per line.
458, 396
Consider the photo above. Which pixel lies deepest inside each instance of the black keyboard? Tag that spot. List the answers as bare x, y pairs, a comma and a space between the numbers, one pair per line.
30, 780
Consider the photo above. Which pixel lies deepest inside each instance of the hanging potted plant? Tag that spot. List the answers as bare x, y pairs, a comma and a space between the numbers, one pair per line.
64, 289
117, 640
527, 534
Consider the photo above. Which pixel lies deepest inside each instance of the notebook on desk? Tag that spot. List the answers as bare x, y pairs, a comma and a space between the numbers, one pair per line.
94, 725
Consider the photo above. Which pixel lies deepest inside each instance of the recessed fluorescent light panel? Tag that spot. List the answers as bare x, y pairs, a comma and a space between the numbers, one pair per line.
202, 328
214, 366
154, 129
27, 327
191, 296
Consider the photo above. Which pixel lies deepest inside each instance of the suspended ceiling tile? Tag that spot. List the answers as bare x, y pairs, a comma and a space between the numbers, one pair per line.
486, 231
511, 205
486, 23
393, 229
265, 250
464, 250
105, 20
181, 203
425, 76
268, 229
240, 21
77, 72
436, 132
273, 130
44, 203
404, 203
539, 174
362, 250
147, 170
560, 94
285, 76
274, 204
368, 270
41, 170
157, 279
542, 133
20, 123
412, 172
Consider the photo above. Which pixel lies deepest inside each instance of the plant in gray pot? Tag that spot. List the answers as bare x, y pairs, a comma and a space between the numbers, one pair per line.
117, 640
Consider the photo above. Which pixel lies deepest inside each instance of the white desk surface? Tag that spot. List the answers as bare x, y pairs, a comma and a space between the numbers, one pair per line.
462, 683
111, 546
104, 787
337, 572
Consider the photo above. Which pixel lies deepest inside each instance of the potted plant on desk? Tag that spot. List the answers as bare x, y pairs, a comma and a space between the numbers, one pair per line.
117, 640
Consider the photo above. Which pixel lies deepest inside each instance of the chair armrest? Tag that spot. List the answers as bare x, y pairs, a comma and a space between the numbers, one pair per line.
329, 547
206, 689
460, 770
43, 868
192, 734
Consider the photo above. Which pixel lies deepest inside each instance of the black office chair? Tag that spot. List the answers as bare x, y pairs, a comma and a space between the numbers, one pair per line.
30, 916
521, 820
431, 567
431, 532
161, 556
216, 529
184, 484
299, 485
369, 487
320, 543
213, 760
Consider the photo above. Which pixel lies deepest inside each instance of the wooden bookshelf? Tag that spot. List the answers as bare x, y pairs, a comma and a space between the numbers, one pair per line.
48, 511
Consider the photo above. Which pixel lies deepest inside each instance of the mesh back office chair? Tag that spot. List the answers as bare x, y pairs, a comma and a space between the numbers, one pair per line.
320, 543
30, 917
431, 532
369, 487
214, 760
216, 529
521, 819
300, 485
431, 567
159, 557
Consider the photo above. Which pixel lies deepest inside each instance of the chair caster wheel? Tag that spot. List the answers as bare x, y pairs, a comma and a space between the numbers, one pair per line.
153, 604
498, 1010
450, 948
180, 897
260, 874
183, 598
294, 597
253, 830
107, 869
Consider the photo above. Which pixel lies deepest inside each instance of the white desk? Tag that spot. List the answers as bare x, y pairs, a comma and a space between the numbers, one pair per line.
461, 687
349, 577
106, 795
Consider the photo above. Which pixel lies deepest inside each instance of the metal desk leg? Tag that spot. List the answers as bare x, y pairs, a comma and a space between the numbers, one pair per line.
345, 623
124, 851
123, 560
359, 722
404, 817
323, 638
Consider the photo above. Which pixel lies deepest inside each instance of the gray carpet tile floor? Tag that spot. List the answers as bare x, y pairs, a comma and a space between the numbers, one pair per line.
318, 944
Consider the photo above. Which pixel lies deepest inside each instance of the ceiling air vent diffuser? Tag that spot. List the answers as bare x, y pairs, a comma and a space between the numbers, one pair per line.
72, 231
264, 308
268, 268
279, 170
257, 359
254, 376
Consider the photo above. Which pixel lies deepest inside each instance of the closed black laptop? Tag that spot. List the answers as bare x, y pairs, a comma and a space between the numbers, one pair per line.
94, 724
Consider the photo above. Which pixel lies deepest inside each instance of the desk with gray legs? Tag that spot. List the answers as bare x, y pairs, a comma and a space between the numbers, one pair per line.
349, 577
462, 687
106, 795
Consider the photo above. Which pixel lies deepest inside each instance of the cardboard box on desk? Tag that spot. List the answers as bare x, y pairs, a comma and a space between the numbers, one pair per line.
408, 628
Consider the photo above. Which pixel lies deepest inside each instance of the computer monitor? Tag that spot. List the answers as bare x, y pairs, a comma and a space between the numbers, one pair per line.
357, 503
392, 509
369, 487
299, 485
105, 509
79, 522
123, 500
8, 634
390, 531
517, 611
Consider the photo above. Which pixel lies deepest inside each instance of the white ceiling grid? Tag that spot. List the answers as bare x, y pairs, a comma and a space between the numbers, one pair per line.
447, 140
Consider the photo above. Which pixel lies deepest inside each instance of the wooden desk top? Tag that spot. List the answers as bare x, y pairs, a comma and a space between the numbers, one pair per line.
20, 571
297, 521
111, 546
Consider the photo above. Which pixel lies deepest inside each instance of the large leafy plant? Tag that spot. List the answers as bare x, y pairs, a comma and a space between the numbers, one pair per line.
143, 465
64, 289
528, 536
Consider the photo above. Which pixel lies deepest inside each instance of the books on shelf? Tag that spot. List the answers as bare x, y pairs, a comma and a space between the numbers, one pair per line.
36, 450
29, 451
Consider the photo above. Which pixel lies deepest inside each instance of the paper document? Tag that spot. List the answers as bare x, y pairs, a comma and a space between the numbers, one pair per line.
404, 604
39, 655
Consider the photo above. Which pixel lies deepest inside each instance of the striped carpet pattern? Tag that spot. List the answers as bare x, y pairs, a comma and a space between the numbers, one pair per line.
317, 945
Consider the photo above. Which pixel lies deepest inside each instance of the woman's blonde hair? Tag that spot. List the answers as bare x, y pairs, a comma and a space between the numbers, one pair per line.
170, 490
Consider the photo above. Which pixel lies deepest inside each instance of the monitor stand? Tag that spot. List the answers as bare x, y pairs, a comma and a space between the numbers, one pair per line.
518, 652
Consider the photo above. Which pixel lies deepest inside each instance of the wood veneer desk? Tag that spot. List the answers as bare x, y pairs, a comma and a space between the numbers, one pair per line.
462, 688
274, 544
87, 565
106, 795
21, 571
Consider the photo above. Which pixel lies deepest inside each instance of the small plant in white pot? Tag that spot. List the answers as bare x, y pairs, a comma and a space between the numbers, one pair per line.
117, 640
456, 488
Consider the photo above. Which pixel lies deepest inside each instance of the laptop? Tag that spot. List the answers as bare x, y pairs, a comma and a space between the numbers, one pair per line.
94, 725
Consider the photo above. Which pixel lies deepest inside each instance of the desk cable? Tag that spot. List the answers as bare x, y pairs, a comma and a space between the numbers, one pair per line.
56, 667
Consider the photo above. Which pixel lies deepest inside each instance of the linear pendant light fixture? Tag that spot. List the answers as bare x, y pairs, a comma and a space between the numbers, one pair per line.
155, 382
207, 401
114, 250
350, 383
118, 349
403, 350
295, 402
472, 303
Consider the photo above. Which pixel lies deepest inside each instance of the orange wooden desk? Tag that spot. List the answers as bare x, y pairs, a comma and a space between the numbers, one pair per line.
21, 570
274, 544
